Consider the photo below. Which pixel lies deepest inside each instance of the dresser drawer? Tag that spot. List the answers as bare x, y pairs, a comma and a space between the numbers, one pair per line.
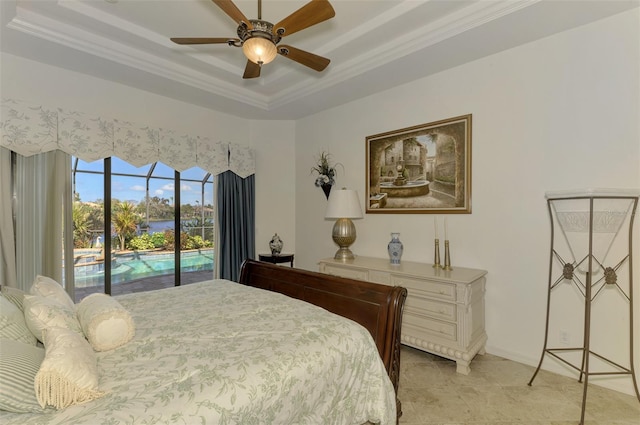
439, 290
348, 273
429, 307
444, 310
421, 327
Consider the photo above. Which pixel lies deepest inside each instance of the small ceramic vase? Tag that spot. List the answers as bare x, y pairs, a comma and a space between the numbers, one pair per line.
275, 244
395, 249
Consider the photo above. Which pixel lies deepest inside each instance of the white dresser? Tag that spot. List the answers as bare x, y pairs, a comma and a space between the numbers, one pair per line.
444, 311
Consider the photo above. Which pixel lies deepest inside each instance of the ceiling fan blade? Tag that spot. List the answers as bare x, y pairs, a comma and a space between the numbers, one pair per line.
310, 14
201, 40
252, 70
305, 58
232, 10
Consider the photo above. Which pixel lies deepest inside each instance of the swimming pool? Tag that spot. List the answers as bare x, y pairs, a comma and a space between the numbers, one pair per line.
137, 265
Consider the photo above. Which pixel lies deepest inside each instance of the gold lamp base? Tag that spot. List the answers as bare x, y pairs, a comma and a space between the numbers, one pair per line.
344, 235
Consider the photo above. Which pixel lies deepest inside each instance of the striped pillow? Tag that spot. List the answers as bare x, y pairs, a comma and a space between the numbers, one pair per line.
14, 295
19, 364
12, 323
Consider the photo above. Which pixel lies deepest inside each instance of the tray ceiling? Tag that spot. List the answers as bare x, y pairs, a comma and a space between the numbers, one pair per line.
373, 45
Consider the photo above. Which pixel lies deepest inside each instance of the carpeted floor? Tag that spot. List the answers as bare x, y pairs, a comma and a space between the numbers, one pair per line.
496, 393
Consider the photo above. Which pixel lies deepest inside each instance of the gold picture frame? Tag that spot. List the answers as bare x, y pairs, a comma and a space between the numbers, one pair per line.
424, 169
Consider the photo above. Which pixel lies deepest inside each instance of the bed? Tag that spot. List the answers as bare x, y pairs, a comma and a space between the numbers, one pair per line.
221, 352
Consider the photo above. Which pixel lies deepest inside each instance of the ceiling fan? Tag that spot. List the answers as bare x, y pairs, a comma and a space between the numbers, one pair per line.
259, 39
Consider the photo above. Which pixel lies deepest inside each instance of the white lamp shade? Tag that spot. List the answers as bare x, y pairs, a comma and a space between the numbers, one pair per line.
343, 203
259, 50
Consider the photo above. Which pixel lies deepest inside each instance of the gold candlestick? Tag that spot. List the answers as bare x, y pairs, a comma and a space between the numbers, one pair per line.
436, 255
447, 257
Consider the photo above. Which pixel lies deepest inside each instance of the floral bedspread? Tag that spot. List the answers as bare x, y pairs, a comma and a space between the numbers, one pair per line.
219, 352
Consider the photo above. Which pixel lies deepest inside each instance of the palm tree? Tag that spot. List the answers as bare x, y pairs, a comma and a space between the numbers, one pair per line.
125, 221
80, 216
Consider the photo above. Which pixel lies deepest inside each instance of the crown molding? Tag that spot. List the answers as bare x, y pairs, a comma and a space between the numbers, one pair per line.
421, 38
295, 87
34, 24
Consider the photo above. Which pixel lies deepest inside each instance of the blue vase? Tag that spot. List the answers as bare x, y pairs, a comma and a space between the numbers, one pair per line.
395, 249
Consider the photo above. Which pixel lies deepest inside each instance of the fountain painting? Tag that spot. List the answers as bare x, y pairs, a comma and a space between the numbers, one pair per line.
421, 169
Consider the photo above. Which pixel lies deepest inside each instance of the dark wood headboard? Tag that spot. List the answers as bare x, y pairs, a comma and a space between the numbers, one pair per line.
376, 307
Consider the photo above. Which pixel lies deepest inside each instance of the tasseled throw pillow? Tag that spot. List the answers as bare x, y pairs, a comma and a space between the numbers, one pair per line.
69, 373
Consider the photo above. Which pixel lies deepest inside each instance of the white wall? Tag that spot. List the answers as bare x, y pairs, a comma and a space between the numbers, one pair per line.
275, 183
559, 113
273, 140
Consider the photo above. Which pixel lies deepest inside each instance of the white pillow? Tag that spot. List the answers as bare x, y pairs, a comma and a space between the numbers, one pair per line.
12, 323
105, 323
47, 287
69, 372
41, 313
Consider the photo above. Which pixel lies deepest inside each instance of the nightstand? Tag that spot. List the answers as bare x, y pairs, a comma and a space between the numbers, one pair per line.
275, 259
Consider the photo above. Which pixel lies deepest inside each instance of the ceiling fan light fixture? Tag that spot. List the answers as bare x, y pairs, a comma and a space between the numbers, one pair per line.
259, 50
259, 39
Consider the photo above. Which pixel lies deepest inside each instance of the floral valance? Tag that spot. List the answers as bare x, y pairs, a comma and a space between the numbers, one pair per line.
29, 129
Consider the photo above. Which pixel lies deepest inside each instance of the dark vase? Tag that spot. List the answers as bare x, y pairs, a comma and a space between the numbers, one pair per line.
326, 188
276, 244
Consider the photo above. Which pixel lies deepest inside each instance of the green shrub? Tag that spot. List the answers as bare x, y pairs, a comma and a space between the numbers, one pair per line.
166, 240
188, 243
158, 239
141, 242
169, 238
197, 241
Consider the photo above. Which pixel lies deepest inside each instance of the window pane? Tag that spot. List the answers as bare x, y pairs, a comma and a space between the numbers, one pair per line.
96, 166
88, 231
162, 170
142, 227
195, 173
197, 218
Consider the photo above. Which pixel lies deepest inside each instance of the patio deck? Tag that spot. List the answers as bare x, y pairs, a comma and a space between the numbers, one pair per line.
146, 284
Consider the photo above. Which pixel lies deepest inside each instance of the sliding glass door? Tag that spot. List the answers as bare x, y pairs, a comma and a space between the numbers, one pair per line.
160, 226
88, 227
197, 232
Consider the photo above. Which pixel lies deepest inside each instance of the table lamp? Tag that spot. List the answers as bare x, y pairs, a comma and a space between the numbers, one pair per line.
344, 205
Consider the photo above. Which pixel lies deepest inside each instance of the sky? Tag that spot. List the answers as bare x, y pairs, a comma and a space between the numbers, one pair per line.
125, 188
428, 141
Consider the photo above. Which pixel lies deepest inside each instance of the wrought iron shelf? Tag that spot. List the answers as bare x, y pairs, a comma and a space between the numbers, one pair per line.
591, 255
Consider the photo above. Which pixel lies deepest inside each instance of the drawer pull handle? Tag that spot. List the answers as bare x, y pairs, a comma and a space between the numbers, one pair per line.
442, 311
442, 292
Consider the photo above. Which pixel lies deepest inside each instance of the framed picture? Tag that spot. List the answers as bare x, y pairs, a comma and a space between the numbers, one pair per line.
424, 169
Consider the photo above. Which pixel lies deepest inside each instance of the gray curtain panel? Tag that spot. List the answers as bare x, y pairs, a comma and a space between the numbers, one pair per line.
236, 223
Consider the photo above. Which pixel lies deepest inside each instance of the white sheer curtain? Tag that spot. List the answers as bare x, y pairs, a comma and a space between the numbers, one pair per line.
7, 236
42, 185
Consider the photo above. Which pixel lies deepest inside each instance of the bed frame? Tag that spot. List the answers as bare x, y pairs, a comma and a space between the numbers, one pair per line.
376, 307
